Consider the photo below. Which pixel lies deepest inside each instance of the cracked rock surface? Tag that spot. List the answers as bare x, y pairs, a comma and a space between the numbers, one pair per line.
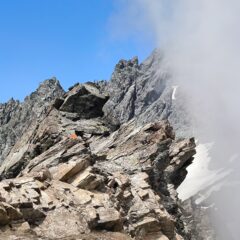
93, 166
16, 117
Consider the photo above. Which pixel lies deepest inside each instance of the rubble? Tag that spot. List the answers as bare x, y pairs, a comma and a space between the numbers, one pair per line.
74, 175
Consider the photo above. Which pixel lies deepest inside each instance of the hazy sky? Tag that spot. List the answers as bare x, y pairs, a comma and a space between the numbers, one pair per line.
74, 40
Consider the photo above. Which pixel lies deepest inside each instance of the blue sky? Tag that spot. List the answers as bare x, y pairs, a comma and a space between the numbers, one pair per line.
69, 39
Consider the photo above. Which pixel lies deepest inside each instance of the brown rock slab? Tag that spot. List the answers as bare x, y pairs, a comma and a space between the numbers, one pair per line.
85, 100
32, 215
61, 224
147, 225
13, 213
85, 179
4, 219
83, 197
109, 219
67, 170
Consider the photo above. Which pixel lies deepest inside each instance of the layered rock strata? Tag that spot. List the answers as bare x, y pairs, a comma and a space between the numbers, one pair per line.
17, 117
77, 175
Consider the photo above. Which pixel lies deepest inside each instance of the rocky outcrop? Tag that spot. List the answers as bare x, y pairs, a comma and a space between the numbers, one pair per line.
84, 100
146, 92
74, 175
17, 117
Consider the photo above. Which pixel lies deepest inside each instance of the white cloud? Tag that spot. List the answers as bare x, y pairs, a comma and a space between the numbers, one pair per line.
201, 41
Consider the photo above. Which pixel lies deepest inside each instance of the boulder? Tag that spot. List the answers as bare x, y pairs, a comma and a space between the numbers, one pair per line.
147, 225
66, 171
86, 100
109, 219
85, 179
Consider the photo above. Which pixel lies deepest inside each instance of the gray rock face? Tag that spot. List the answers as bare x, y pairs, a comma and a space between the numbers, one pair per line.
103, 154
145, 92
85, 100
17, 117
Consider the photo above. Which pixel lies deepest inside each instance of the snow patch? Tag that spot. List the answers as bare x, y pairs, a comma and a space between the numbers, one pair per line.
199, 176
174, 92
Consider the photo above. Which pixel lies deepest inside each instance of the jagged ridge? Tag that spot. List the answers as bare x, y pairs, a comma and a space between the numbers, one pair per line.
96, 160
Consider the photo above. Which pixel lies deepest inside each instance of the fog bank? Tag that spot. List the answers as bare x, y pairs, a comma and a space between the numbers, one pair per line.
200, 40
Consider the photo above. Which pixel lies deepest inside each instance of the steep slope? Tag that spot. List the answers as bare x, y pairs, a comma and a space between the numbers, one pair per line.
76, 176
101, 157
146, 92
17, 117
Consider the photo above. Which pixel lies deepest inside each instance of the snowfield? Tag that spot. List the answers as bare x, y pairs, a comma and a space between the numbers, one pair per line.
200, 177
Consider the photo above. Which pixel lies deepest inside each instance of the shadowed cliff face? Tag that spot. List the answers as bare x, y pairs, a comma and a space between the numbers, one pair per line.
146, 92
102, 160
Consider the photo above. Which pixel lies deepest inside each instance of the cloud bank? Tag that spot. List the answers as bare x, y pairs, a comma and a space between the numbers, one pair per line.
200, 40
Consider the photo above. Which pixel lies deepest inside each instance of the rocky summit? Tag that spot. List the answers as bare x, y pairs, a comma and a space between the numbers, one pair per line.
17, 117
100, 161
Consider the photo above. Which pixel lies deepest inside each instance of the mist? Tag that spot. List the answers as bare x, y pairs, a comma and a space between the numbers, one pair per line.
200, 41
